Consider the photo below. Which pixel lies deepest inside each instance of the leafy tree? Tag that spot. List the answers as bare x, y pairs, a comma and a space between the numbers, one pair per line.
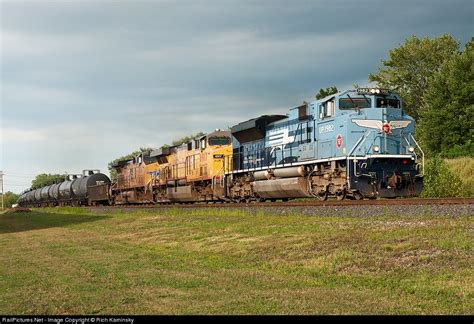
9, 199
186, 139
42, 180
113, 172
323, 93
440, 181
447, 115
410, 67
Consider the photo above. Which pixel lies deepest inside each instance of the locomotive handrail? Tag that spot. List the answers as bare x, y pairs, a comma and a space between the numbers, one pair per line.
422, 154
359, 142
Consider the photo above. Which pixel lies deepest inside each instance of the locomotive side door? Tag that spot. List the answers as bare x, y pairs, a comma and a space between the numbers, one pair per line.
325, 129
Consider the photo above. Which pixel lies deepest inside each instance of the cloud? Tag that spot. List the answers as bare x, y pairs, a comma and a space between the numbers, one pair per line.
11, 135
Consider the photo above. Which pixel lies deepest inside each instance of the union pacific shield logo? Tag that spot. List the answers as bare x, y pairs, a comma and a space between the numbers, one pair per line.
339, 141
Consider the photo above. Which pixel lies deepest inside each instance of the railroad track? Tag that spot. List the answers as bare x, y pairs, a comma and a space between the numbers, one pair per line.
309, 203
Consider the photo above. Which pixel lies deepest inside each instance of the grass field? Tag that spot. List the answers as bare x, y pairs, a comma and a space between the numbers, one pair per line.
71, 261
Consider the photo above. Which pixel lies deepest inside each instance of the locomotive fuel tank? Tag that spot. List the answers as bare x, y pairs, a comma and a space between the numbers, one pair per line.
296, 187
181, 193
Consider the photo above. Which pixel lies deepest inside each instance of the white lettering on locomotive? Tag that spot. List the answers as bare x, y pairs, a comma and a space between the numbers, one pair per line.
326, 129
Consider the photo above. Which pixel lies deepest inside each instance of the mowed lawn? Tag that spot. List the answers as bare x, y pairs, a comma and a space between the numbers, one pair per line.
230, 261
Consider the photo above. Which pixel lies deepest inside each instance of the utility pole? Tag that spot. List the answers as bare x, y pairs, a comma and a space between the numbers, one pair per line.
1, 179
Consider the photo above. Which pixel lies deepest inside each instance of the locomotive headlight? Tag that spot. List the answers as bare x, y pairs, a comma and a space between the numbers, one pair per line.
372, 90
376, 148
411, 149
377, 90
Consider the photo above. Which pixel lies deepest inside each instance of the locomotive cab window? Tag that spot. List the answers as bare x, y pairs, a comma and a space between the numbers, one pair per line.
221, 140
354, 103
388, 103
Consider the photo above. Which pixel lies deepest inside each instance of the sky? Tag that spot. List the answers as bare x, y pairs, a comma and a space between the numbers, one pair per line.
85, 82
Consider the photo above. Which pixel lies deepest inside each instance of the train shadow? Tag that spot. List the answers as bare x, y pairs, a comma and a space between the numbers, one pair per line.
29, 221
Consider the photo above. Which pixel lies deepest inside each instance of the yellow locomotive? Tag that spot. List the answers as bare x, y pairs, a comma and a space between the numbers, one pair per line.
192, 171
135, 180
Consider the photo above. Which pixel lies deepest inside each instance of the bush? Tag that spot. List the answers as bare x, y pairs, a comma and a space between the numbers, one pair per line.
458, 150
440, 181
9, 199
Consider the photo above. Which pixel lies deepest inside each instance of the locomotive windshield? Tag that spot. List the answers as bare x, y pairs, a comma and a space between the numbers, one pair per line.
388, 103
354, 103
221, 140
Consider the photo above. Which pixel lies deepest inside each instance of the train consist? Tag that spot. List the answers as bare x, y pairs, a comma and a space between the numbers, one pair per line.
354, 144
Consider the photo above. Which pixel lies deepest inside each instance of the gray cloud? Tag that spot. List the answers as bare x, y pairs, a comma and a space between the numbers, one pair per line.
83, 82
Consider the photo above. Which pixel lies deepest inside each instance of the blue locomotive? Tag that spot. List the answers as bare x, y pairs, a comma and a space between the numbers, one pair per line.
356, 143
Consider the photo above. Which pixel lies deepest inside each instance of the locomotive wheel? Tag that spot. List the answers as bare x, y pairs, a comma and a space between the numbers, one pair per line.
322, 196
341, 195
358, 196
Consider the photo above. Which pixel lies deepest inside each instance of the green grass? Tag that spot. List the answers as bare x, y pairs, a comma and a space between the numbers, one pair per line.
464, 167
228, 261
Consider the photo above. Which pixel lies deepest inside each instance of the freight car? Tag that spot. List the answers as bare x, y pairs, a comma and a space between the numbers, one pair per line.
86, 189
354, 144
